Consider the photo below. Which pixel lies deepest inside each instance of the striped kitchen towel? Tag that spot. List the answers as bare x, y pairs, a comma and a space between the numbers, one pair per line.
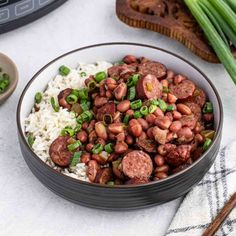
203, 202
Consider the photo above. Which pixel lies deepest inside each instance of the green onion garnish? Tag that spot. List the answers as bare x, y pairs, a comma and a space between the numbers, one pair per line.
152, 109
75, 159
154, 102
72, 147
162, 105
131, 93
165, 89
86, 116
170, 108
68, 130
208, 108
55, 107
126, 119
4, 83
91, 85
30, 140
207, 144
109, 148
85, 105
78, 128
72, 99
110, 183
82, 74
132, 81
100, 76
97, 148
83, 93
64, 71
144, 110
38, 97
137, 114
136, 104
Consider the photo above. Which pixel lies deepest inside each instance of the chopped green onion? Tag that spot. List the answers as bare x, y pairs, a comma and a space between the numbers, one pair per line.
38, 97
111, 183
91, 85
107, 119
85, 116
207, 144
4, 84
83, 93
208, 107
97, 148
78, 128
154, 102
109, 148
132, 81
165, 89
126, 119
144, 110
152, 109
170, 108
72, 99
75, 92
5, 76
136, 104
75, 159
131, 93
100, 76
72, 147
208, 134
85, 105
64, 71
232, 3
30, 140
82, 74
68, 130
137, 114
162, 105
55, 107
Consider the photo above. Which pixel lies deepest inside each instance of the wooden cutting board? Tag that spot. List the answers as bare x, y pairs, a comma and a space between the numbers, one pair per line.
169, 17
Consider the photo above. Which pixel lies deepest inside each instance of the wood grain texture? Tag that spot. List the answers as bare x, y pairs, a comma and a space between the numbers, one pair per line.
168, 17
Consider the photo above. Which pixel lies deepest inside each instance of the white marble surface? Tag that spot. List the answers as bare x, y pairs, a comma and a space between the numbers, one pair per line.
26, 206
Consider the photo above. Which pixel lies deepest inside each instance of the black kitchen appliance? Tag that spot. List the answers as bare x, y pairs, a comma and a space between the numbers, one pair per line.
15, 13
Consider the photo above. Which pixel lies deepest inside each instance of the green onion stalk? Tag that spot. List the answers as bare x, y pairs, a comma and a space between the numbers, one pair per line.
223, 52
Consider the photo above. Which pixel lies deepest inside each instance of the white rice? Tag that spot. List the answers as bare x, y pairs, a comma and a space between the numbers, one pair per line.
46, 124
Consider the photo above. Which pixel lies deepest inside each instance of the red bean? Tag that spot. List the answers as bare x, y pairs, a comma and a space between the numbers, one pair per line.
121, 147
149, 133
176, 126
101, 130
89, 147
116, 128
171, 98
164, 168
101, 141
82, 136
183, 109
135, 128
85, 157
120, 91
143, 123
100, 101
109, 94
176, 115
129, 59
150, 118
161, 175
123, 106
158, 112
143, 135
120, 137
169, 115
159, 160
199, 138
111, 84
85, 125
163, 122
129, 140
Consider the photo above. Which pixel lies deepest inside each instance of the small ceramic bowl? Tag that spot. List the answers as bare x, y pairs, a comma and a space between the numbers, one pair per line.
119, 197
9, 67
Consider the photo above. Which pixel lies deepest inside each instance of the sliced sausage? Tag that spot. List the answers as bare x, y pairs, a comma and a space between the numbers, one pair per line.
199, 97
147, 145
189, 121
109, 109
123, 71
62, 98
148, 87
137, 164
92, 170
154, 68
59, 153
179, 155
195, 108
182, 90
104, 175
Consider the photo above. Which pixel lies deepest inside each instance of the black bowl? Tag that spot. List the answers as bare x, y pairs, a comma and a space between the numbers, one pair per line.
128, 196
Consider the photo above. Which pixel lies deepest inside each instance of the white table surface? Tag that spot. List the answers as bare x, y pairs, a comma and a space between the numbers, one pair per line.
26, 206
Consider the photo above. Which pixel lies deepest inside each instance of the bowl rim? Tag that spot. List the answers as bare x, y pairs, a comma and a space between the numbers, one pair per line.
14, 81
69, 178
